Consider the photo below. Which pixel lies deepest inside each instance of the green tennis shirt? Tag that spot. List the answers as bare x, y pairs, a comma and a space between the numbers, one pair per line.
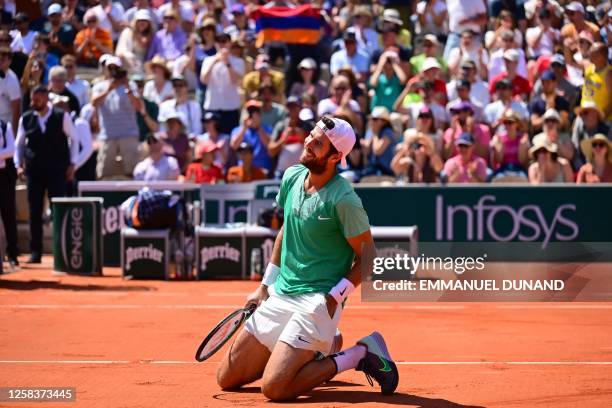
315, 253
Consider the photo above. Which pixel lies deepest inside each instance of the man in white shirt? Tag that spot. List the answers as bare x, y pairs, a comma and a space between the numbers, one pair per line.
351, 56
111, 17
463, 15
46, 152
222, 74
497, 64
494, 111
79, 87
10, 90
157, 165
8, 178
22, 30
479, 90
181, 103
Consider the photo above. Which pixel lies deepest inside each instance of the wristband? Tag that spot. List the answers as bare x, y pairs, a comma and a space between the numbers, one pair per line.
272, 272
342, 290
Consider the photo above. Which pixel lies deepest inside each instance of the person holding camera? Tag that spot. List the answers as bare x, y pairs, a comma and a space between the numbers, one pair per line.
117, 106
40, 61
255, 133
46, 153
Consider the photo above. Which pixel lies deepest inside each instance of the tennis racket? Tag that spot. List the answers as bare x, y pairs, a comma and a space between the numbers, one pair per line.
222, 332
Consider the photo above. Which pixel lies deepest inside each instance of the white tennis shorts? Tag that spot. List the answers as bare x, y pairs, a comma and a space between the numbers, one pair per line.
302, 321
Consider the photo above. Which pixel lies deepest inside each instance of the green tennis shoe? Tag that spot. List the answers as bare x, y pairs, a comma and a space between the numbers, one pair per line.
378, 363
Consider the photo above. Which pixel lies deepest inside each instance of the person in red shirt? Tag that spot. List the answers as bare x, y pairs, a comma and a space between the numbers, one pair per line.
203, 170
430, 71
520, 85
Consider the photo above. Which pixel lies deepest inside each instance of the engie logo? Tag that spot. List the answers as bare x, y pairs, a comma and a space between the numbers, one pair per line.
73, 258
142, 252
528, 222
212, 253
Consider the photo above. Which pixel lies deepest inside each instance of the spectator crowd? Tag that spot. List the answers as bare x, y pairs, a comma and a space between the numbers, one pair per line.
451, 91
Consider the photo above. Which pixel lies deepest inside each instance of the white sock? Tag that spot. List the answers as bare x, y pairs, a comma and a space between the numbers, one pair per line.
349, 358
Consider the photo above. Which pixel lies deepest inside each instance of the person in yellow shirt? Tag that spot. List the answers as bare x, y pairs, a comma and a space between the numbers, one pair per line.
264, 74
598, 80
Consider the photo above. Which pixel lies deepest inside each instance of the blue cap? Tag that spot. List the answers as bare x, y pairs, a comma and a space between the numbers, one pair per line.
465, 139
548, 76
461, 106
238, 9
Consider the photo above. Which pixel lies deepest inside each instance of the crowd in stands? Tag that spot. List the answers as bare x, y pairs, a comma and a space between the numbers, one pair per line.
452, 91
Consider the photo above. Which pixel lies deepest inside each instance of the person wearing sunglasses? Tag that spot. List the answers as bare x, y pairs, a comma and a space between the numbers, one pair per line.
494, 111
547, 166
157, 165
465, 166
509, 150
417, 161
587, 124
79, 87
61, 34
170, 41
598, 151
92, 41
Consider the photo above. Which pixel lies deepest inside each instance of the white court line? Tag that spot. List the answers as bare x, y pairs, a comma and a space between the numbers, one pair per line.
556, 306
407, 363
355, 307
206, 306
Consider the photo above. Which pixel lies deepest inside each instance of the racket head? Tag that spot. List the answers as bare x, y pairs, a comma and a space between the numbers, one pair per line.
222, 332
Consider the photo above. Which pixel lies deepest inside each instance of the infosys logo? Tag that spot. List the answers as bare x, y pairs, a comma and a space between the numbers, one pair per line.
528, 222
73, 257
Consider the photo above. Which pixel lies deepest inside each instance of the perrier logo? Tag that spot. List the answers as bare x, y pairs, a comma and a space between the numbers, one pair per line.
212, 253
143, 252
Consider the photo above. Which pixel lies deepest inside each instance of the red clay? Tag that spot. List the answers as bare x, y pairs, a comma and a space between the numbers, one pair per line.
131, 344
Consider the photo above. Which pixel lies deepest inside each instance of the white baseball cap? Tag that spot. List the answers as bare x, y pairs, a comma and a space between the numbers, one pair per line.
54, 9
340, 134
429, 63
512, 55
575, 6
143, 14
113, 60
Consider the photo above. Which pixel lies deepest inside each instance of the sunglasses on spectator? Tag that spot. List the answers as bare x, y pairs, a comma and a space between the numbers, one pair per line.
340, 88
508, 40
168, 17
179, 84
509, 122
69, 66
92, 21
598, 145
427, 45
551, 121
539, 151
425, 117
463, 147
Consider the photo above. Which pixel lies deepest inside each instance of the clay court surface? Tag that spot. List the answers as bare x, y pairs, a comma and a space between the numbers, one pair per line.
131, 344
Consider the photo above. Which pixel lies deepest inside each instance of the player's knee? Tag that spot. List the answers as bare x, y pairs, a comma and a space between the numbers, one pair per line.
225, 380
276, 391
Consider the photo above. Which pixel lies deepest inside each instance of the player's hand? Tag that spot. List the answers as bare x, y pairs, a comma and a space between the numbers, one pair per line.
257, 296
331, 305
